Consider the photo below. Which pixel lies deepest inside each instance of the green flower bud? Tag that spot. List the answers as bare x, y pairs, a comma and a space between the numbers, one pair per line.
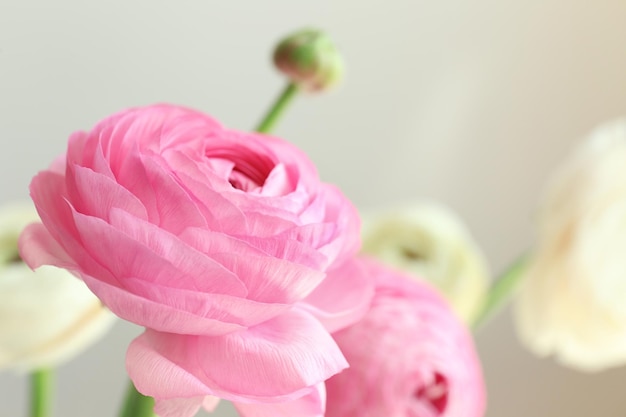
309, 58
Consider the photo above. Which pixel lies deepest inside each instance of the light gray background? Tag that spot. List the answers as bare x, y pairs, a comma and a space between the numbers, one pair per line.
471, 102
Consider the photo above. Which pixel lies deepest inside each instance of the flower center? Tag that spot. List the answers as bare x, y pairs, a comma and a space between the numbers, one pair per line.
412, 255
435, 394
8, 250
249, 170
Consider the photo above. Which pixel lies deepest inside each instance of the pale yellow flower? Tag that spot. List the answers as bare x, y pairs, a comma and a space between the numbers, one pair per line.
46, 316
430, 241
572, 303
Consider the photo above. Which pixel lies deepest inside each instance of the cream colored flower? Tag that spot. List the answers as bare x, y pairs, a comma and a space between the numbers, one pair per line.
430, 241
46, 316
572, 302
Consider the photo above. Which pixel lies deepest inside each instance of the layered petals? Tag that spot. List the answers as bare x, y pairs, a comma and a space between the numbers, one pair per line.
344, 297
266, 363
409, 356
211, 239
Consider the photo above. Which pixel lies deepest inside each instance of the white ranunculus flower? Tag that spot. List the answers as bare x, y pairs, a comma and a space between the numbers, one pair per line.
572, 302
46, 316
430, 241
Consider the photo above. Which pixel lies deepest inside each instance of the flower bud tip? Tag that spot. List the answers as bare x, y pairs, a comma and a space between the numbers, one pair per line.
309, 59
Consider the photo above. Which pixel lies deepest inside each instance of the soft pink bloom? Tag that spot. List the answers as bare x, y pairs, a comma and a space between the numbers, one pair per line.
213, 240
409, 357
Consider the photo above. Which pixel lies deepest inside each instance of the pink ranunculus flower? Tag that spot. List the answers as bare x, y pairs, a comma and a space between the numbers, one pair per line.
215, 240
409, 357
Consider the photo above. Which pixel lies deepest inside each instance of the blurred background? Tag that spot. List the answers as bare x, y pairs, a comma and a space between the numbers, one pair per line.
467, 102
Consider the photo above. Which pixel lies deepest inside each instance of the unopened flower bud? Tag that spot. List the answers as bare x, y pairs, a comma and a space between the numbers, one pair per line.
309, 58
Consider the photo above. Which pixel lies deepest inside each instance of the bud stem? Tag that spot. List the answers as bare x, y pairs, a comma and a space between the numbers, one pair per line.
42, 392
277, 109
137, 404
500, 292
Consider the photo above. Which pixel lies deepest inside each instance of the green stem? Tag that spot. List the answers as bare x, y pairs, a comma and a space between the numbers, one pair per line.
500, 292
277, 109
137, 404
42, 393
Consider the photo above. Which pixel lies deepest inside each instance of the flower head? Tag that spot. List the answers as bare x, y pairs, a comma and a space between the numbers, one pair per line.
409, 356
46, 316
208, 237
571, 302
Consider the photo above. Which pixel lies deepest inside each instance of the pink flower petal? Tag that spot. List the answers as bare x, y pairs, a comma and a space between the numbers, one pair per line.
42, 249
266, 278
156, 315
76, 149
141, 250
341, 212
297, 164
99, 163
49, 194
289, 249
309, 405
220, 214
96, 195
195, 283
205, 173
185, 407
275, 361
316, 234
272, 280
132, 176
175, 208
226, 308
343, 298
178, 407
264, 225
278, 182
